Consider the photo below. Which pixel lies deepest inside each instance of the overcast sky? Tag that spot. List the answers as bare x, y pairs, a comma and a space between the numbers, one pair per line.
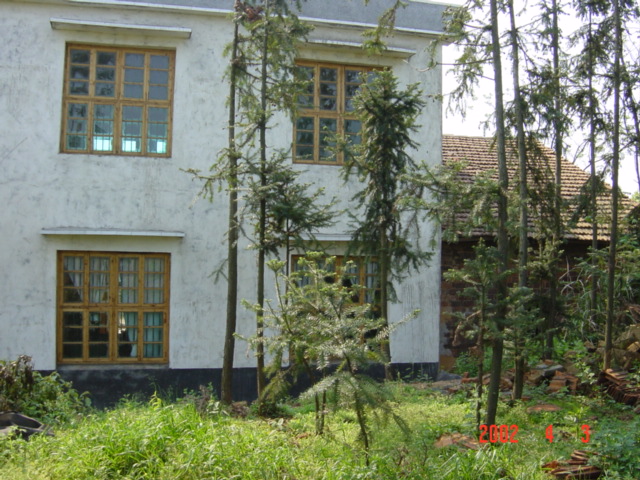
480, 108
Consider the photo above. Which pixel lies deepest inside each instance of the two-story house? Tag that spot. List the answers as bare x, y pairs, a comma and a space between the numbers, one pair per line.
107, 250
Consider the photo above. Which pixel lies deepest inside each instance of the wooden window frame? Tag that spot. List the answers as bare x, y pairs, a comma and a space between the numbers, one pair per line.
72, 121
76, 299
362, 274
340, 114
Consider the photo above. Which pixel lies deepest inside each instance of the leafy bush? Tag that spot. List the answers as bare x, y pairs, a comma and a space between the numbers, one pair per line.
48, 398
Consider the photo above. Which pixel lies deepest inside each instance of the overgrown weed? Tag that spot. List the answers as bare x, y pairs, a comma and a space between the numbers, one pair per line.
163, 440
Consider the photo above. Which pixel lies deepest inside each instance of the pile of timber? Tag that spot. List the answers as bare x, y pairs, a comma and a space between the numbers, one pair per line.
576, 467
549, 372
618, 384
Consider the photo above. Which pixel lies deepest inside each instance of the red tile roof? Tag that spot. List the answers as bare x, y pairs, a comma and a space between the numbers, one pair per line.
479, 155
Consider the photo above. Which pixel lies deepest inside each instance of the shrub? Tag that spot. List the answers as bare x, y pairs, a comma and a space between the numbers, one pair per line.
48, 398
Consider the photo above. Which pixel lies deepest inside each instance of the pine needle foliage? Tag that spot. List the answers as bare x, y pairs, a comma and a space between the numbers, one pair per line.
318, 328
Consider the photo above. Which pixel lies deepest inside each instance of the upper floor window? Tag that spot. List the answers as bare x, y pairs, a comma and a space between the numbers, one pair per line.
326, 110
113, 307
117, 101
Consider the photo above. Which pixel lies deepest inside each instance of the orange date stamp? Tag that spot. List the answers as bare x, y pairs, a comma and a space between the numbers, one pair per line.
508, 433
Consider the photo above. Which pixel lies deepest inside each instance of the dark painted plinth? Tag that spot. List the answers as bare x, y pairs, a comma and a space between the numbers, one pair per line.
107, 386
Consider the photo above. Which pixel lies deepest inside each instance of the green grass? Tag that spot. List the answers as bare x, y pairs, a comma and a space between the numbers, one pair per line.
158, 440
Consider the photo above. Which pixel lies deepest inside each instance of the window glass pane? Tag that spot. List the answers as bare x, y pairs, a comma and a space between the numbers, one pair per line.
71, 334
158, 92
328, 103
153, 332
76, 138
153, 319
72, 351
72, 291
304, 153
72, 280
72, 319
131, 129
103, 128
154, 281
80, 56
99, 280
98, 335
330, 89
304, 138
305, 101
128, 334
352, 131
133, 91
72, 263
158, 114
106, 58
352, 126
328, 125
128, 280
134, 59
78, 88
79, 72
306, 74
106, 74
351, 90
353, 76
159, 61
132, 113
305, 123
153, 350
328, 74
133, 76
76, 142
157, 130
105, 89
98, 350
159, 77
77, 110
154, 265
128, 264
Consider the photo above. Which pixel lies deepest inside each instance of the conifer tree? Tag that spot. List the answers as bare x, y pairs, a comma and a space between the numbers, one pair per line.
386, 225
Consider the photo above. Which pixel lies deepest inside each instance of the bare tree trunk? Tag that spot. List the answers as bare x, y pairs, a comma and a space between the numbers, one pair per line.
480, 344
384, 297
523, 250
262, 221
232, 248
503, 240
614, 185
557, 198
594, 183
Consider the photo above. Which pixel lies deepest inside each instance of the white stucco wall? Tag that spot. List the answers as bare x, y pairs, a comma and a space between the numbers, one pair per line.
43, 189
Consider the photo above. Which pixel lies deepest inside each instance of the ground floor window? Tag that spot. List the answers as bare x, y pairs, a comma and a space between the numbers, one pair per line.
359, 273
113, 307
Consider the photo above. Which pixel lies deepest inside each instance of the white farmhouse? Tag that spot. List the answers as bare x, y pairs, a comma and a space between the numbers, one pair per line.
107, 250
